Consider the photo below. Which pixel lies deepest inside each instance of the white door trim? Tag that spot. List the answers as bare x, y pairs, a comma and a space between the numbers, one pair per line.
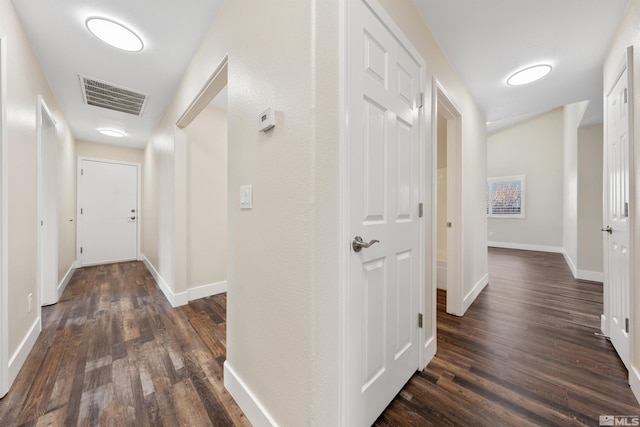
79, 200
4, 292
47, 210
625, 64
212, 87
455, 289
426, 287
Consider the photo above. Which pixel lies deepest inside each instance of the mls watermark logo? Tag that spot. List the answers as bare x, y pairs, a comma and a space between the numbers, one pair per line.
620, 420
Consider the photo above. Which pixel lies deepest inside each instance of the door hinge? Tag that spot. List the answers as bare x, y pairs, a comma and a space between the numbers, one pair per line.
420, 210
626, 209
420, 100
82, 172
449, 225
81, 249
81, 211
41, 223
626, 324
419, 320
625, 95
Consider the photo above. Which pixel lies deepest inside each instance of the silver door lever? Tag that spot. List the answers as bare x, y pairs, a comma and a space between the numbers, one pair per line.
358, 243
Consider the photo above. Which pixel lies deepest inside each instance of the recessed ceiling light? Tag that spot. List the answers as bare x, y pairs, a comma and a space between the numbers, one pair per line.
112, 132
115, 34
528, 75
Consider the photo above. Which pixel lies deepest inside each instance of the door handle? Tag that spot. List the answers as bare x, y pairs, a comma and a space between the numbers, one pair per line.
132, 217
608, 229
358, 243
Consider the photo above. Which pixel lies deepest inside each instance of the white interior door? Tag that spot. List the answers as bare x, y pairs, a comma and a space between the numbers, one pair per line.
384, 190
618, 265
4, 316
47, 206
108, 211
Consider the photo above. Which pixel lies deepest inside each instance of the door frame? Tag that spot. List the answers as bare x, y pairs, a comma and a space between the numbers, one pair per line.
79, 203
4, 292
443, 102
47, 246
427, 288
217, 81
626, 63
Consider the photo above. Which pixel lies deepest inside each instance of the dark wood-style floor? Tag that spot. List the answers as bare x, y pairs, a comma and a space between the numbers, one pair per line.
524, 354
114, 353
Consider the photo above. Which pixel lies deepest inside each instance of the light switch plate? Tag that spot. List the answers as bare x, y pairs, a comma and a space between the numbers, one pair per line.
245, 197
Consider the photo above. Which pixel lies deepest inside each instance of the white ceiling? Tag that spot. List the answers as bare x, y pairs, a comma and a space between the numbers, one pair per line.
484, 40
487, 40
171, 30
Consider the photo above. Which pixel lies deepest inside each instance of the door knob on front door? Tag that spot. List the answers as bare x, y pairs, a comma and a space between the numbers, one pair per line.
132, 217
608, 230
358, 243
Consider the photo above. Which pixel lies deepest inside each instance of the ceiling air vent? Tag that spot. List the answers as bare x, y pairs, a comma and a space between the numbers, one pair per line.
106, 95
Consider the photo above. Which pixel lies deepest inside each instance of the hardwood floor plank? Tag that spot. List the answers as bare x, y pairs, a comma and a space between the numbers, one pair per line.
525, 353
113, 352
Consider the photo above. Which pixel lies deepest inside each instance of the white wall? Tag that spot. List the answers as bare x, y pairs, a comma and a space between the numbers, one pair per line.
270, 249
563, 197
109, 152
590, 238
533, 148
25, 81
207, 198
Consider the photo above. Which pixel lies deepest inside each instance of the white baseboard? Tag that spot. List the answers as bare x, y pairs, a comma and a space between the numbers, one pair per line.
206, 290
634, 382
604, 326
246, 400
67, 278
571, 264
591, 276
18, 358
477, 288
176, 300
526, 247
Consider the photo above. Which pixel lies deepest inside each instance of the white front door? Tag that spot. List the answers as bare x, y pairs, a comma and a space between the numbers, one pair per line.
384, 190
617, 270
108, 211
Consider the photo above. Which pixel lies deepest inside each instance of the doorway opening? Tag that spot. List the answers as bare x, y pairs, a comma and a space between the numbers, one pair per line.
446, 210
47, 150
201, 145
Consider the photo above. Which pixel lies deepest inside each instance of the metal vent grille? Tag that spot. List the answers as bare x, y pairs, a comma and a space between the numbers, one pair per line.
105, 95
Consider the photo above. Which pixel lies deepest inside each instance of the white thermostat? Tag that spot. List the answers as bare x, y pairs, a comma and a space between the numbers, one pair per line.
266, 120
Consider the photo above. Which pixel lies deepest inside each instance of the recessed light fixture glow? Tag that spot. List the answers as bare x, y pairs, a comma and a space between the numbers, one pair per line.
115, 34
112, 132
529, 75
